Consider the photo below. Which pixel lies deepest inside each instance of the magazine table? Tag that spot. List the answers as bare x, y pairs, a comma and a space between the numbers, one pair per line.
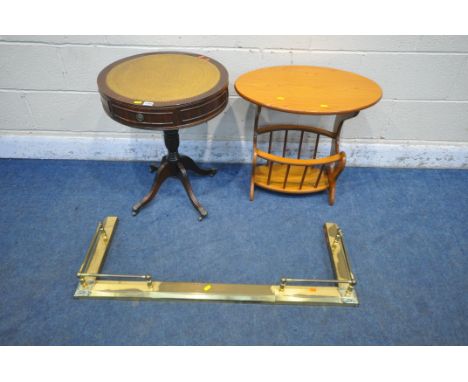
303, 90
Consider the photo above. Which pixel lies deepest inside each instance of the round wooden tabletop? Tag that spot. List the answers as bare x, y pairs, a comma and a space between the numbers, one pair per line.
308, 89
163, 90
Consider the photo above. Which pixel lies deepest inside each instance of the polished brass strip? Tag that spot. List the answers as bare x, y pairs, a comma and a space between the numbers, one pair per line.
91, 248
339, 256
142, 287
98, 248
148, 278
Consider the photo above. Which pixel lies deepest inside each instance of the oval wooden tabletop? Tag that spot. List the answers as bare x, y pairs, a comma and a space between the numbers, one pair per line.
308, 89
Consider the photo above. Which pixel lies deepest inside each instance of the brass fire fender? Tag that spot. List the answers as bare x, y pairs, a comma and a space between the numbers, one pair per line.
93, 284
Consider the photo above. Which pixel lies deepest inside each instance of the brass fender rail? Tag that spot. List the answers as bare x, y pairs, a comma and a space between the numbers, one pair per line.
93, 284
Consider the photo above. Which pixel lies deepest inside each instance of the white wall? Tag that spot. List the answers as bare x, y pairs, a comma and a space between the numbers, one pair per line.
50, 108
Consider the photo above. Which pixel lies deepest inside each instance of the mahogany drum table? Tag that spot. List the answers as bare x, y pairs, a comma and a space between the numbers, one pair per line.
165, 91
303, 90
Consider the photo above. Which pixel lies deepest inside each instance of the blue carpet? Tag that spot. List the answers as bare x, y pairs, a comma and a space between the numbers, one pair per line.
405, 230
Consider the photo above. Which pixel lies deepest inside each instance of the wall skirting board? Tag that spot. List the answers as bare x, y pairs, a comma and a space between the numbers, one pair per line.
360, 153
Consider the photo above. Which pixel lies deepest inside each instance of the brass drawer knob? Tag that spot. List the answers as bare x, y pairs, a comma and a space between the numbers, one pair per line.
140, 117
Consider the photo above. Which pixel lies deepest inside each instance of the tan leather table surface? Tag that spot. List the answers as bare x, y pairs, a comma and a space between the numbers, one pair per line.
163, 77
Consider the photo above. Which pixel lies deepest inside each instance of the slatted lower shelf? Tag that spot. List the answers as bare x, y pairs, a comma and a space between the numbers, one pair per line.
278, 174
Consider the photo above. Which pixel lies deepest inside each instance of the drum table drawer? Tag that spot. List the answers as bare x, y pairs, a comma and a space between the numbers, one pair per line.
141, 118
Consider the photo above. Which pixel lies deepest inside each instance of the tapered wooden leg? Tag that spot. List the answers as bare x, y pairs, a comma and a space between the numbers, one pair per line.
188, 188
331, 194
252, 175
154, 167
189, 164
252, 186
163, 173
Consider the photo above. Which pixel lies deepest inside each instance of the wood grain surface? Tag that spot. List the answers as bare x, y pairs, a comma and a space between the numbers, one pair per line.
308, 89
